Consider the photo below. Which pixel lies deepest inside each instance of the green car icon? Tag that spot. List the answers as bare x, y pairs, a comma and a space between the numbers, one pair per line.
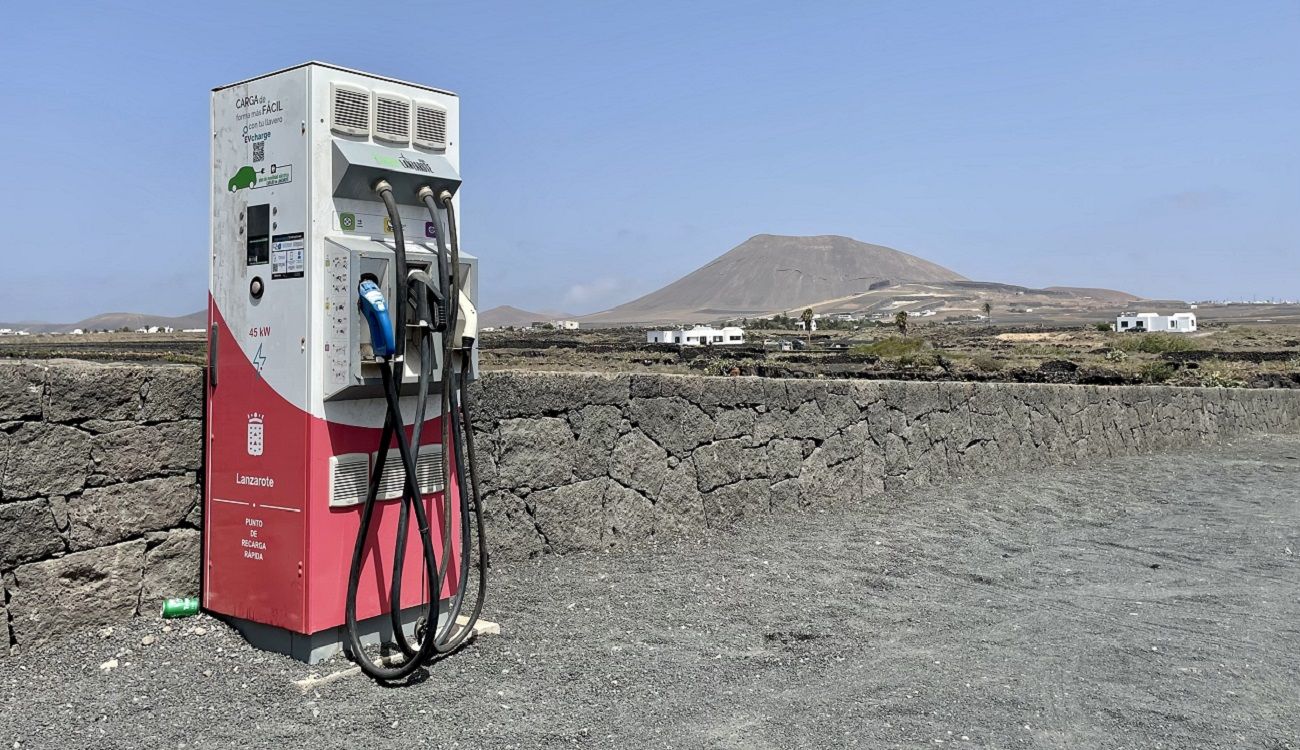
244, 178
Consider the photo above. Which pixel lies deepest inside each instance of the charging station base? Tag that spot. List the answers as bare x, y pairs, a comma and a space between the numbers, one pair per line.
326, 644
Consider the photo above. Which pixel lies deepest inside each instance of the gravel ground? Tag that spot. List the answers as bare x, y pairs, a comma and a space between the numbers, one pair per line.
1153, 602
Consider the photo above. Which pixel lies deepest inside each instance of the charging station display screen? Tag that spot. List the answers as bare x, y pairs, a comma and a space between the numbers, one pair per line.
259, 234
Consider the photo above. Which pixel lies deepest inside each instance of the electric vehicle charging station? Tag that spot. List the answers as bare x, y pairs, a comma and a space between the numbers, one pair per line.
340, 504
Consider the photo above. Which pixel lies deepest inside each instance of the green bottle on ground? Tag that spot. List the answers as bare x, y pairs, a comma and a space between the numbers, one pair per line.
183, 607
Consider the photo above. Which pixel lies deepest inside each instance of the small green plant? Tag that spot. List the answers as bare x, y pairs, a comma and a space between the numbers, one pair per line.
1116, 355
1103, 327
1157, 372
987, 363
921, 359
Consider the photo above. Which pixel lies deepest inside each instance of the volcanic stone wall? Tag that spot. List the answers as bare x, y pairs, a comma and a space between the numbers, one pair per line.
99, 464
99, 497
582, 461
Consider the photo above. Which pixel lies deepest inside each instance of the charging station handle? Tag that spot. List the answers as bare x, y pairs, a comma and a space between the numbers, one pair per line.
212, 356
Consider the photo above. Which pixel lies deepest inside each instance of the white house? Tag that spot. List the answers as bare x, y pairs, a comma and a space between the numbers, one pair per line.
698, 336
1155, 322
559, 325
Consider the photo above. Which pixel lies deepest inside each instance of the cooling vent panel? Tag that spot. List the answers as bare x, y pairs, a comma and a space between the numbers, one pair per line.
430, 126
349, 479
428, 471
350, 110
392, 118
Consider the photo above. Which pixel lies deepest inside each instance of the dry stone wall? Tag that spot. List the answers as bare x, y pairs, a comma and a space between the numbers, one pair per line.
99, 464
583, 461
99, 496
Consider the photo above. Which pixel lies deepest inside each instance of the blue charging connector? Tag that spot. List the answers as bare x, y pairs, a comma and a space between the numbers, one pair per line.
375, 309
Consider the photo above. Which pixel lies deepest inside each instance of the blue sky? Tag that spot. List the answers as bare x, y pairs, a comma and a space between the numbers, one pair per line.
610, 147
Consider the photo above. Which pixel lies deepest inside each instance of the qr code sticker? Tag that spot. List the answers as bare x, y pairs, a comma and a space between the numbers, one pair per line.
259, 151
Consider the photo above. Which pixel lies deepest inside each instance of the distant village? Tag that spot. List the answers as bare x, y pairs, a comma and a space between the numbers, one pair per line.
84, 331
695, 335
708, 335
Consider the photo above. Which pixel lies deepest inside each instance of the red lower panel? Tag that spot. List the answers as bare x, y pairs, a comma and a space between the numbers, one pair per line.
275, 552
331, 534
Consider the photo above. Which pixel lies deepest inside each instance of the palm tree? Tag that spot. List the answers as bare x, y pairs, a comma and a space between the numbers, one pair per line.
900, 320
807, 318
988, 310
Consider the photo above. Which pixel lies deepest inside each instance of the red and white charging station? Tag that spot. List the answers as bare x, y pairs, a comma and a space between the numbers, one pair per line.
303, 162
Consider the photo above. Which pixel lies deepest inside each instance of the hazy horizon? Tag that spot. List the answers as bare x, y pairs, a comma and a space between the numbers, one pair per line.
610, 149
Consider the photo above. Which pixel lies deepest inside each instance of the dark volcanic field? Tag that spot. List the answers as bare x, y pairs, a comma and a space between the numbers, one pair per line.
1151, 602
1220, 356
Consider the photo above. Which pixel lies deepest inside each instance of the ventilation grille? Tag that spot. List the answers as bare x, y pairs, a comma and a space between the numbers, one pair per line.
351, 110
430, 126
349, 479
392, 118
428, 472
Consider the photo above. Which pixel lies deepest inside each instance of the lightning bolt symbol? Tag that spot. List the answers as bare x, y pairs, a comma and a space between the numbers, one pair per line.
259, 359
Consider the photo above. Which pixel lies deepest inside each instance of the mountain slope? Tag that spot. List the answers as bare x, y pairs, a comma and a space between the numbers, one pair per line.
1103, 295
115, 320
506, 315
775, 272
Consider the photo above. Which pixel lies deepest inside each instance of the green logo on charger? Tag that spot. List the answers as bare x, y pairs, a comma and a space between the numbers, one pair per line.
347, 222
246, 177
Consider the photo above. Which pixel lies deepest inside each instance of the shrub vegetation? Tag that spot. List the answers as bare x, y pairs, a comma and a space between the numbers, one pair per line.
1155, 343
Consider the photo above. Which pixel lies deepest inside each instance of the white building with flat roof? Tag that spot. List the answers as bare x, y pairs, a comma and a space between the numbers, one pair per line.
698, 336
1149, 322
